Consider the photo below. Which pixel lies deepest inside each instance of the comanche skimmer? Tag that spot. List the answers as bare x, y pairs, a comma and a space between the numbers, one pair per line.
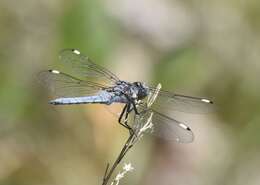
89, 83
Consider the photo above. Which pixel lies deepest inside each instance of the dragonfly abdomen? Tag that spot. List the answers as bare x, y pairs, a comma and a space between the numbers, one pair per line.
103, 98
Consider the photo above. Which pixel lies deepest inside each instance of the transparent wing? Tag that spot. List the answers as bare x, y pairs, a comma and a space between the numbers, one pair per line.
171, 129
82, 67
166, 127
176, 102
64, 85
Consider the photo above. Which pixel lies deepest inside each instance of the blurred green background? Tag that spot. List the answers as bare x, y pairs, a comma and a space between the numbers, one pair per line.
199, 48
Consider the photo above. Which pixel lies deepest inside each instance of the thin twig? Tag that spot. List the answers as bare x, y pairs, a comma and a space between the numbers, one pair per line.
124, 150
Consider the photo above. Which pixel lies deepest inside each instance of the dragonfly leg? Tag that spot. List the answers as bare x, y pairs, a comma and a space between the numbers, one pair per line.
135, 109
131, 101
126, 110
124, 122
131, 130
122, 114
134, 105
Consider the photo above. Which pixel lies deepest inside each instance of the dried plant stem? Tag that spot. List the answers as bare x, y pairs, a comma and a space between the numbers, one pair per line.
125, 149
132, 139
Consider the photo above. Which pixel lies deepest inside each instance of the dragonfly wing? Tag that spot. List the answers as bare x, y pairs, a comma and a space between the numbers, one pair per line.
176, 102
63, 85
82, 67
171, 129
166, 127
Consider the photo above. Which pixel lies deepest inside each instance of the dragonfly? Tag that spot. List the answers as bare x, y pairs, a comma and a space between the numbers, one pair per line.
86, 82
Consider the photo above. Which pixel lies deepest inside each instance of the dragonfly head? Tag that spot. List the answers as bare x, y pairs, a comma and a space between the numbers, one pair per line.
142, 90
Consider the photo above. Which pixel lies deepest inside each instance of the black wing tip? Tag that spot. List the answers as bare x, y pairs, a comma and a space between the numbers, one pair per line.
71, 50
74, 50
187, 128
206, 101
54, 71
192, 138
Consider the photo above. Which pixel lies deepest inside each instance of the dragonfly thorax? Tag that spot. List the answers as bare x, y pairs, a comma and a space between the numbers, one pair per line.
134, 91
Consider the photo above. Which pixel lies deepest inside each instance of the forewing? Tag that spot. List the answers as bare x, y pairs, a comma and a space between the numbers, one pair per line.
166, 101
63, 85
82, 67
